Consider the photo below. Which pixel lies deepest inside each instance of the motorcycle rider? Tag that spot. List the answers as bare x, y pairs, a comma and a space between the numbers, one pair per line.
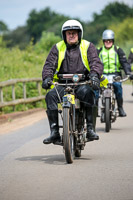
69, 56
130, 61
113, 58
130, 57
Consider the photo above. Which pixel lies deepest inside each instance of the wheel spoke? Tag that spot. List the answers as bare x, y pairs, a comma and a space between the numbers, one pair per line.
107, 115
68, 137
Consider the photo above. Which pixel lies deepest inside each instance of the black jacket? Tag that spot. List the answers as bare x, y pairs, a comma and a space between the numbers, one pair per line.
130, 58
72, 62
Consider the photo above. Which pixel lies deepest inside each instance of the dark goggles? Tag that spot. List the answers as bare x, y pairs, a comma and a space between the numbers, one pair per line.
109, 40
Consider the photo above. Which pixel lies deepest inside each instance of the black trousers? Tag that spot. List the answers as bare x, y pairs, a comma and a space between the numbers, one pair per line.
84, 93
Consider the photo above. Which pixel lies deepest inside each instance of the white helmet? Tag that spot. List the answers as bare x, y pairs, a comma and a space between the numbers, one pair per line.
108, 35
72, 25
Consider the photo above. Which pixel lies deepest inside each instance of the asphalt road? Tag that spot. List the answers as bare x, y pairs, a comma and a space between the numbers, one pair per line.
31, 170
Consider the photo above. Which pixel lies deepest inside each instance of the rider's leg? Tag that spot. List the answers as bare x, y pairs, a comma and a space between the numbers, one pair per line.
97, 96
119, 98
54, 127
52, 114
86, 95
120, 107
95, 115
91, 115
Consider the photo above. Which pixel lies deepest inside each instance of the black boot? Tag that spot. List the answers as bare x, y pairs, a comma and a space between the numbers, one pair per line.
53, 123
91, 122
120, 108
96, 108
95, 115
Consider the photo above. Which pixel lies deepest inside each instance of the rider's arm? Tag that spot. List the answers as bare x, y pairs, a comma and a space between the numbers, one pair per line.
51, 63
99, 50
130, 58
95, 64
123, 61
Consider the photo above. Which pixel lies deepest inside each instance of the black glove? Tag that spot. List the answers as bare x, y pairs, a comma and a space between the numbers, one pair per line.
95, 81
46, 83
131, 77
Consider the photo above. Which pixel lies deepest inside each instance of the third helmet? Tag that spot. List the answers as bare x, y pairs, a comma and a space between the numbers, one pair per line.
108, 35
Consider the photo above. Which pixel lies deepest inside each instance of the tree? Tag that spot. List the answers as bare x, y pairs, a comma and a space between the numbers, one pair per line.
19, 37
49, 21
45, 20
47, 40
124, 34
114, 12
3, 28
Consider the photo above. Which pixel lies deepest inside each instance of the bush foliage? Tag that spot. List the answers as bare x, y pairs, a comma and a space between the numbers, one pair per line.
24, 50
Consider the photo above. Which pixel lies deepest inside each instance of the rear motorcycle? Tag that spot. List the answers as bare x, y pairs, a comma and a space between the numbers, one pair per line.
108, 109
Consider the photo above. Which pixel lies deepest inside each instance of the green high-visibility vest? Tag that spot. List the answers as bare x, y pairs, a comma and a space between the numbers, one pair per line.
132, 50
110, 60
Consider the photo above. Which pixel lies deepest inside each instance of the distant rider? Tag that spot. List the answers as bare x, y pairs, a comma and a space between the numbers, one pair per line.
130, 61
113, 58
130, 57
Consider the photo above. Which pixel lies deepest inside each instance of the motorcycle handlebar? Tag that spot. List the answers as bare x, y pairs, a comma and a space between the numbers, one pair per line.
69, 77
69, 84
118, 79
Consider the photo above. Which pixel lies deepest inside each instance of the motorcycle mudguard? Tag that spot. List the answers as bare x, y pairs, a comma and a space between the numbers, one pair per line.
68, 99
107, 92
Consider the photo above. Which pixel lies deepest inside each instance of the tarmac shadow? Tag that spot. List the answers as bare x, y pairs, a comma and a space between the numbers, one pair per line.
128, 101
48, 159
102, 129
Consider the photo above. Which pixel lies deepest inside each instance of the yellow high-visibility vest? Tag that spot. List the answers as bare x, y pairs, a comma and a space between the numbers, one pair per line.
61, 46
84, 45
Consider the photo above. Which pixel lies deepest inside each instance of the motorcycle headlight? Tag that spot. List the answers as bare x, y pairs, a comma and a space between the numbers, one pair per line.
75, 78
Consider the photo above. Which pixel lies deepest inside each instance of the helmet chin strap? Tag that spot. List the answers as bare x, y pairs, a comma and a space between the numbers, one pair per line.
72, 45
108, 47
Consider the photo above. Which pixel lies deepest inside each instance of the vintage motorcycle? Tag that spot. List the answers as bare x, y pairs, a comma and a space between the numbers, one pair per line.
107, 103
132, 88
73, 129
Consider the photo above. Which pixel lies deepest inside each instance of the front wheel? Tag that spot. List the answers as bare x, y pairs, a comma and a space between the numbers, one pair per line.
68, 137
107, 115
78, 153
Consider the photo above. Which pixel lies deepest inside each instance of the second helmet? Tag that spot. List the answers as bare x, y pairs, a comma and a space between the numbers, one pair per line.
108, 35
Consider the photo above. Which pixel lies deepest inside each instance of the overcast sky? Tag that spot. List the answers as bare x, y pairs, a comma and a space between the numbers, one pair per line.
14, 13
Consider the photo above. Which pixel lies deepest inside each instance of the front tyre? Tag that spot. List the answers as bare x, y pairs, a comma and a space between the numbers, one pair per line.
78, 153
68, 137
107, 115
